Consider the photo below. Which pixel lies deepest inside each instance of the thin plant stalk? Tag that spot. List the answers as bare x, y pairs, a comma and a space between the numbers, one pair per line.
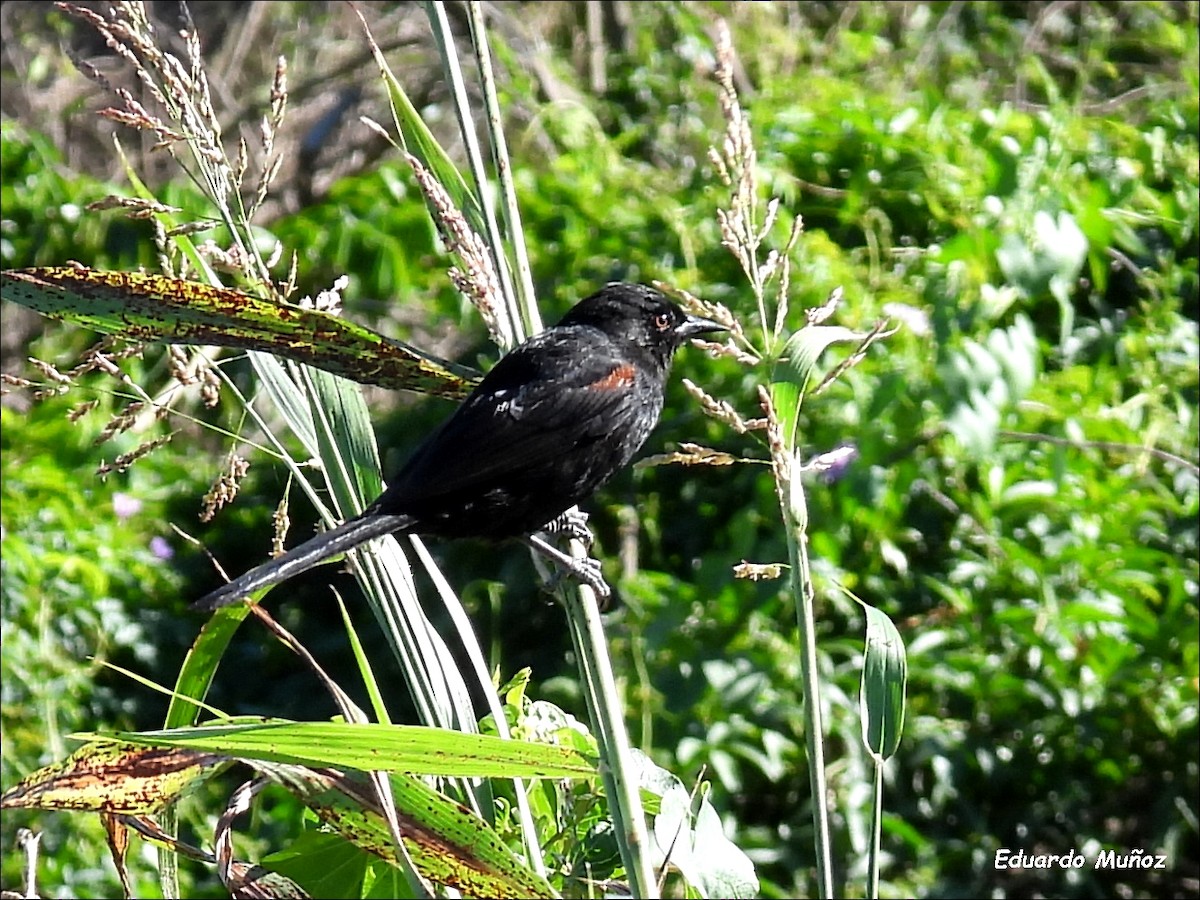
744, 227
514, 329
876, 828
599, 686
814, 728
617, 769
794, 508
512, 213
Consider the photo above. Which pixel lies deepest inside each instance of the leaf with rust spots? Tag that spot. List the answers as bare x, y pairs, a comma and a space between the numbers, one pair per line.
112, 777
448, 844
146, 307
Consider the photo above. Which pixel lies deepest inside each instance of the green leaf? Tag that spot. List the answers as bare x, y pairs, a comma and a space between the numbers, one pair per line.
795, 368
885, 674
200, 665
712, 864
985, 380
1050, 260
346, 441
328, 865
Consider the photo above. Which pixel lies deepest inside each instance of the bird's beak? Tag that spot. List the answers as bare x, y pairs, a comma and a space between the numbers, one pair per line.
694, 325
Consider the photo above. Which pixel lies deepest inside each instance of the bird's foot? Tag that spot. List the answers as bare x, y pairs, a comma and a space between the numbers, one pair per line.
574, 524
586, 570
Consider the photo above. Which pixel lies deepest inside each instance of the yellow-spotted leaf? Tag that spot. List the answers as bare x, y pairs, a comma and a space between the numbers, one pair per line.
112, 777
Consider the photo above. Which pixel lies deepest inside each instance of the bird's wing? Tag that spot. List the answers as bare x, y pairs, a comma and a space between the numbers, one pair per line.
539, 402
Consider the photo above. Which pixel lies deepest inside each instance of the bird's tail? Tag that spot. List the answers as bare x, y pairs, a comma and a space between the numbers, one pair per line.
300, 559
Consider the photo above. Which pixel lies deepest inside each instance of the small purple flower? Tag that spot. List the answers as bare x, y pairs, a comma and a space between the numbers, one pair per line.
832, 464
125, 506
160, 548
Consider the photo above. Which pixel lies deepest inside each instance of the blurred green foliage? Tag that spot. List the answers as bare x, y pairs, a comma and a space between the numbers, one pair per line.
1019, 183
84, 575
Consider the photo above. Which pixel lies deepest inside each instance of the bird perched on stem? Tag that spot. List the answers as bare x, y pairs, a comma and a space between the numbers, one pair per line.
553, 420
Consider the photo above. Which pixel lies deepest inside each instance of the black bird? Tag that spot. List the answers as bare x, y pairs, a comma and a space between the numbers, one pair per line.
553, 420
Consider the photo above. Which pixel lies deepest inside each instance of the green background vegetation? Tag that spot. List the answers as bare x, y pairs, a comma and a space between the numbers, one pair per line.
1021, 177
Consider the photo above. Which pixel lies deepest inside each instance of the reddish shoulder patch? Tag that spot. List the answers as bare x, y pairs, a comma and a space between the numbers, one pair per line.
619, 378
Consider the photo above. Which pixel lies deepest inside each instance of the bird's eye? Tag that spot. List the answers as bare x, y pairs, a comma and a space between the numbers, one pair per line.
662, 321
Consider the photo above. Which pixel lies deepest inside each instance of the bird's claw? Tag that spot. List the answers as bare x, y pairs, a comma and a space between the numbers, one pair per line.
586, 570
574, 524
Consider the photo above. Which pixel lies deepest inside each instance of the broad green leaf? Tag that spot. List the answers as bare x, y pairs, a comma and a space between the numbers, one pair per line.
885, 673
330, 866
146, 307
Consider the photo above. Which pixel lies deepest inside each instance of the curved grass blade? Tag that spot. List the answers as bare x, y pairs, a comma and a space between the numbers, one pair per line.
417, 139
148, 307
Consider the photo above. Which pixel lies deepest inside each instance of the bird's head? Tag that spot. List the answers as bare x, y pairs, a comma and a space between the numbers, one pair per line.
640, 315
